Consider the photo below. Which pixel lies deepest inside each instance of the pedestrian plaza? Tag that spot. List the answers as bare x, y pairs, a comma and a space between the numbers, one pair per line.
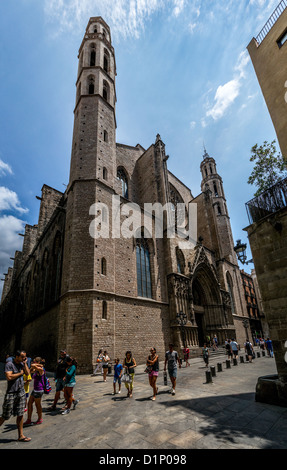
222, 414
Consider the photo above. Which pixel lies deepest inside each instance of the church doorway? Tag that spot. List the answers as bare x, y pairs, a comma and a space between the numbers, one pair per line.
206, 303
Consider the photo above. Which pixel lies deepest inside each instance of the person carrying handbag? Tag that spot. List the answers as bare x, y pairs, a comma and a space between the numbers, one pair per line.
153, 365
129, 365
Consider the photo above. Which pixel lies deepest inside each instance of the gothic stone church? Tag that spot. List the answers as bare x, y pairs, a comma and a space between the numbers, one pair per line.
69, 290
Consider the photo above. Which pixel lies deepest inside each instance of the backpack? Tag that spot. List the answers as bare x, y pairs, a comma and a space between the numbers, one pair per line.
46, 384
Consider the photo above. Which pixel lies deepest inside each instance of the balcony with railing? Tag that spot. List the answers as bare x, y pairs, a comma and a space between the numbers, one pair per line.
271, 22
268, 202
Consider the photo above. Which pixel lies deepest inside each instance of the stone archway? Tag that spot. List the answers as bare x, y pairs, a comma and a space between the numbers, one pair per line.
207, 303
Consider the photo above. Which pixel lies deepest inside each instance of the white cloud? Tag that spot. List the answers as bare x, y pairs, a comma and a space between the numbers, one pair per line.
10, 201
125, 17
10, 241
178, 7
192, 125
5, 168
226, 94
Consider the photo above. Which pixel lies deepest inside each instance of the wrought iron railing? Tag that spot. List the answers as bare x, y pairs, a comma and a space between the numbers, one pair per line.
271, 22
268, 202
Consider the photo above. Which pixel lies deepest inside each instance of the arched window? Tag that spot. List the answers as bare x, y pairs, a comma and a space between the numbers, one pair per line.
104, 267
93, 56
106, 90
218, 209
215, 189
143, 268
106, 61
91, 85
180, 261
121, 175
104, 310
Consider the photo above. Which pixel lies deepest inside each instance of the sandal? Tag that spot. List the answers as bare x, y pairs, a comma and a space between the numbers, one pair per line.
24, 439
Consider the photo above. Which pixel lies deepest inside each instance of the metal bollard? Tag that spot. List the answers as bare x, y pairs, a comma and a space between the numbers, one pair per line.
219, 367
212, 370
242, 359
235, 361
208, 377
228, 363
258, 354
263, 353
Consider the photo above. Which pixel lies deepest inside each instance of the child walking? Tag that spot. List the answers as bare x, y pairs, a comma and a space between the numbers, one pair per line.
118, 370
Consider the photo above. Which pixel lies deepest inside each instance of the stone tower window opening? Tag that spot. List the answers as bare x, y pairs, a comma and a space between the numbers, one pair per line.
105, 173
104, 310
106, 60
92, 55
143, 268
106, 136
91, 85
106, 91
121, 175
215, 189
104, 266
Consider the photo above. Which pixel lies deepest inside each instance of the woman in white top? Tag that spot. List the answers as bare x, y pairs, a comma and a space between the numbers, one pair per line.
105, 362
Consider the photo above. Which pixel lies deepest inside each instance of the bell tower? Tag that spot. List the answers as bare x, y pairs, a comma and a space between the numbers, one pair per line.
213, 184
93, 154
93, 146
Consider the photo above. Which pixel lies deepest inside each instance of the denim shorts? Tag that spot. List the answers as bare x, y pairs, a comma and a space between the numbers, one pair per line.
117, 379
37, 394
172, 372
71, 384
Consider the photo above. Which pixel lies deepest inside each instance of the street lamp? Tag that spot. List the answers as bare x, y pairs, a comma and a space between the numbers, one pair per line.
240, 250
182, 320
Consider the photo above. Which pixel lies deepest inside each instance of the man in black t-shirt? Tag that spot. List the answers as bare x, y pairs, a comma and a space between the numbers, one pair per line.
15, 397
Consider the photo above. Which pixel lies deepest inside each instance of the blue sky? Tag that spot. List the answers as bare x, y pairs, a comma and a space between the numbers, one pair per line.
182, 71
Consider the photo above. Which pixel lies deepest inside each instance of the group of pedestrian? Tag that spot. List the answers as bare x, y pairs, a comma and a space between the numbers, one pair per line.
20, 370
232, 348
65, 380
125, 372
265, 345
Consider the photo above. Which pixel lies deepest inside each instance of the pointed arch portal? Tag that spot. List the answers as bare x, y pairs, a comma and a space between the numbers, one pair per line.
207, 304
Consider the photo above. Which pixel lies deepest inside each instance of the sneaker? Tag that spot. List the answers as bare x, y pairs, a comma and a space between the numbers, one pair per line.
119, 391
75, 403
67, 411
173, 392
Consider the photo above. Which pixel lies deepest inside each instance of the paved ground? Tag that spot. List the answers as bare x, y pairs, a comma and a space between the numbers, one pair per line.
218, 415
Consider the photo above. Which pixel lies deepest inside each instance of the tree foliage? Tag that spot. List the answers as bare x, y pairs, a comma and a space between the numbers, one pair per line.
269, 166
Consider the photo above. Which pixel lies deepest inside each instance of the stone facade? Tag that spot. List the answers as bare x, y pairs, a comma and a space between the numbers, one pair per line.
268, 53
71, 290
268, 243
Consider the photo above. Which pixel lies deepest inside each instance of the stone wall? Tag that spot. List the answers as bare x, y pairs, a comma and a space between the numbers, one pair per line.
268, 243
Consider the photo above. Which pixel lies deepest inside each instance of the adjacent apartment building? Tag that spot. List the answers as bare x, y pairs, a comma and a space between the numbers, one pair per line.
268, 52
